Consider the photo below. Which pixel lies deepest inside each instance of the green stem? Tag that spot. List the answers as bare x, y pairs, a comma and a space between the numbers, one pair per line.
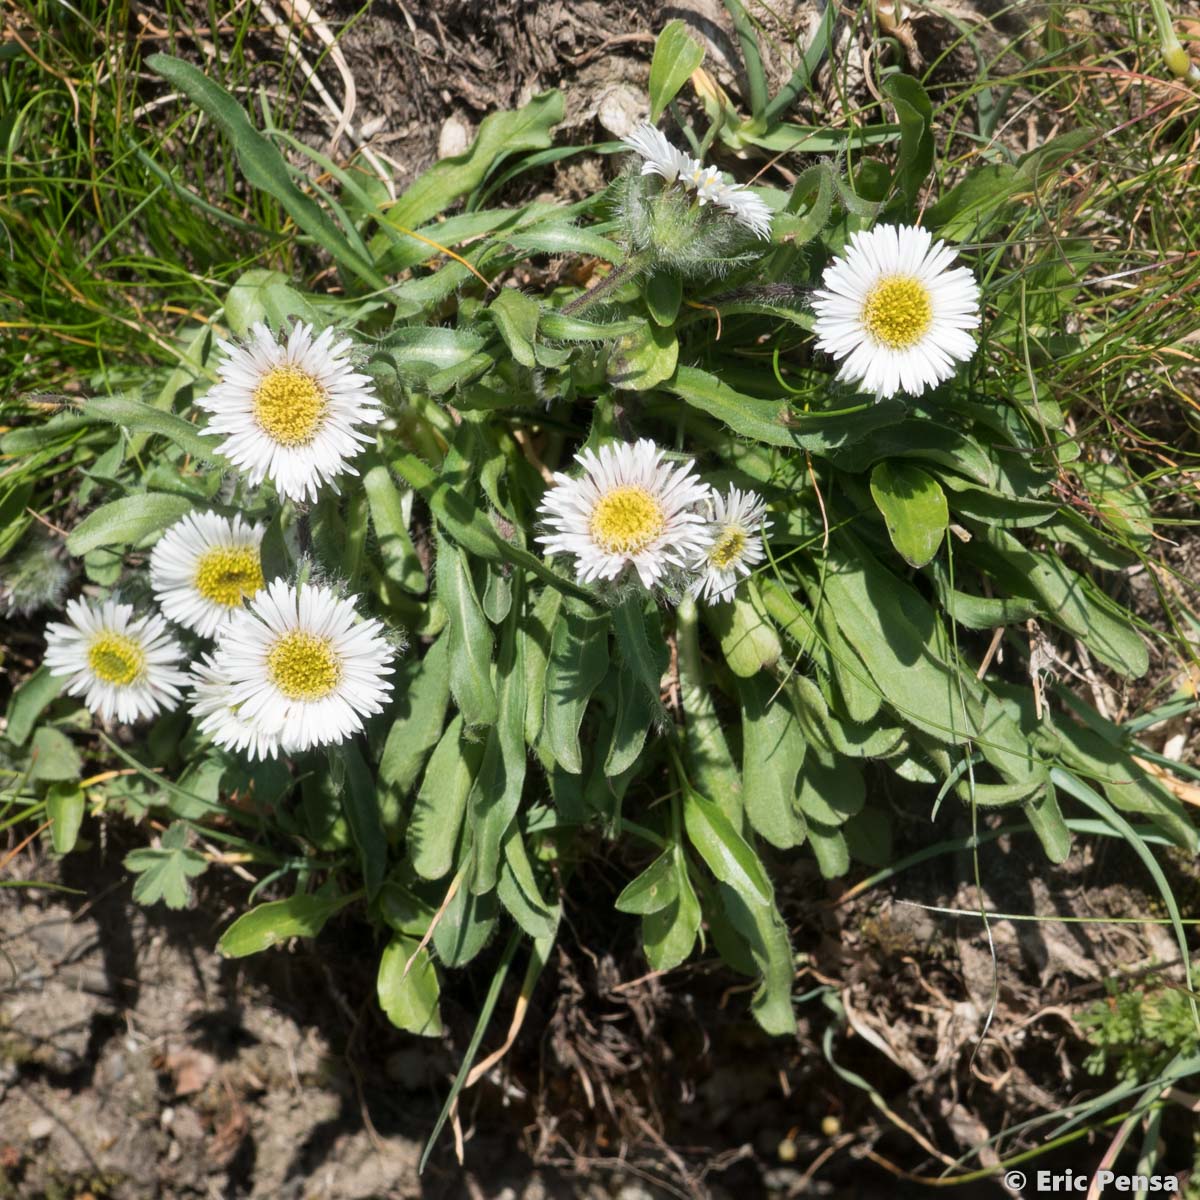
485, 1016
756, 77
629, 269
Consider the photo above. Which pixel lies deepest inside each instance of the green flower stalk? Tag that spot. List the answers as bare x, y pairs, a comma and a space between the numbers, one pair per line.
1178, 61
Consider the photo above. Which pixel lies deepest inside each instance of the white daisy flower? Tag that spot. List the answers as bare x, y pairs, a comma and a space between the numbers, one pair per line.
629, 508
124, 667
661, 157
735, 547
301, 666
894, 311
290, 411
203, 567
221, 719
746, 208
706, 181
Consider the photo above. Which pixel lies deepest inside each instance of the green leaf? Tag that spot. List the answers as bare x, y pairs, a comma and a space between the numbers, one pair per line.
641, 361
676, 56
766, 935
518, 891
53, 757
773, 750
1008, 747
772, 421
578, 663
1047, 821
748, 640
133, 414
500, 134
919, 439
899, 639
914, 510
419, 353
470, 637
636, 711
28, 702
423, 695
263, 164
361, 809
575, 329
408, 994
707, 749
64, 808
860, 695
556, 238
402, 910
652, 890
830, 849
869, 836
496, 794
727, 854
1126, 784
641, 645
470, 528
438, 809
669, 934
664, 294
390, 522
126, 521
266, 925
163, 873
914, 112
832, 789
261, 294
1071, 600
975, 205
1119, 501
465, 927
516, 318
536, 624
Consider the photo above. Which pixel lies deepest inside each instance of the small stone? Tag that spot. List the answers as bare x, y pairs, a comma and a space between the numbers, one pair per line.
621, 109
41, 1128
454, 138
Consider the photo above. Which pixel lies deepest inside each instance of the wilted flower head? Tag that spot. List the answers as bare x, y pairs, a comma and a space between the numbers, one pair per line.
670, 221
734, 545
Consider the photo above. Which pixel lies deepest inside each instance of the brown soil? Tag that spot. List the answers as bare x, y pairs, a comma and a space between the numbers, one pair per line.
134, 1062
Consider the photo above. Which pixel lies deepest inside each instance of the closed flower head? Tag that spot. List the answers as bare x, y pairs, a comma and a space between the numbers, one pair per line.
291, 412
895, 313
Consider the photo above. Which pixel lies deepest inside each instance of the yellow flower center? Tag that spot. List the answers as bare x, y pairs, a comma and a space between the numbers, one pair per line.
116, 659
728, 548
898, 312
626, 520
289, 406
226, 576
303, 666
